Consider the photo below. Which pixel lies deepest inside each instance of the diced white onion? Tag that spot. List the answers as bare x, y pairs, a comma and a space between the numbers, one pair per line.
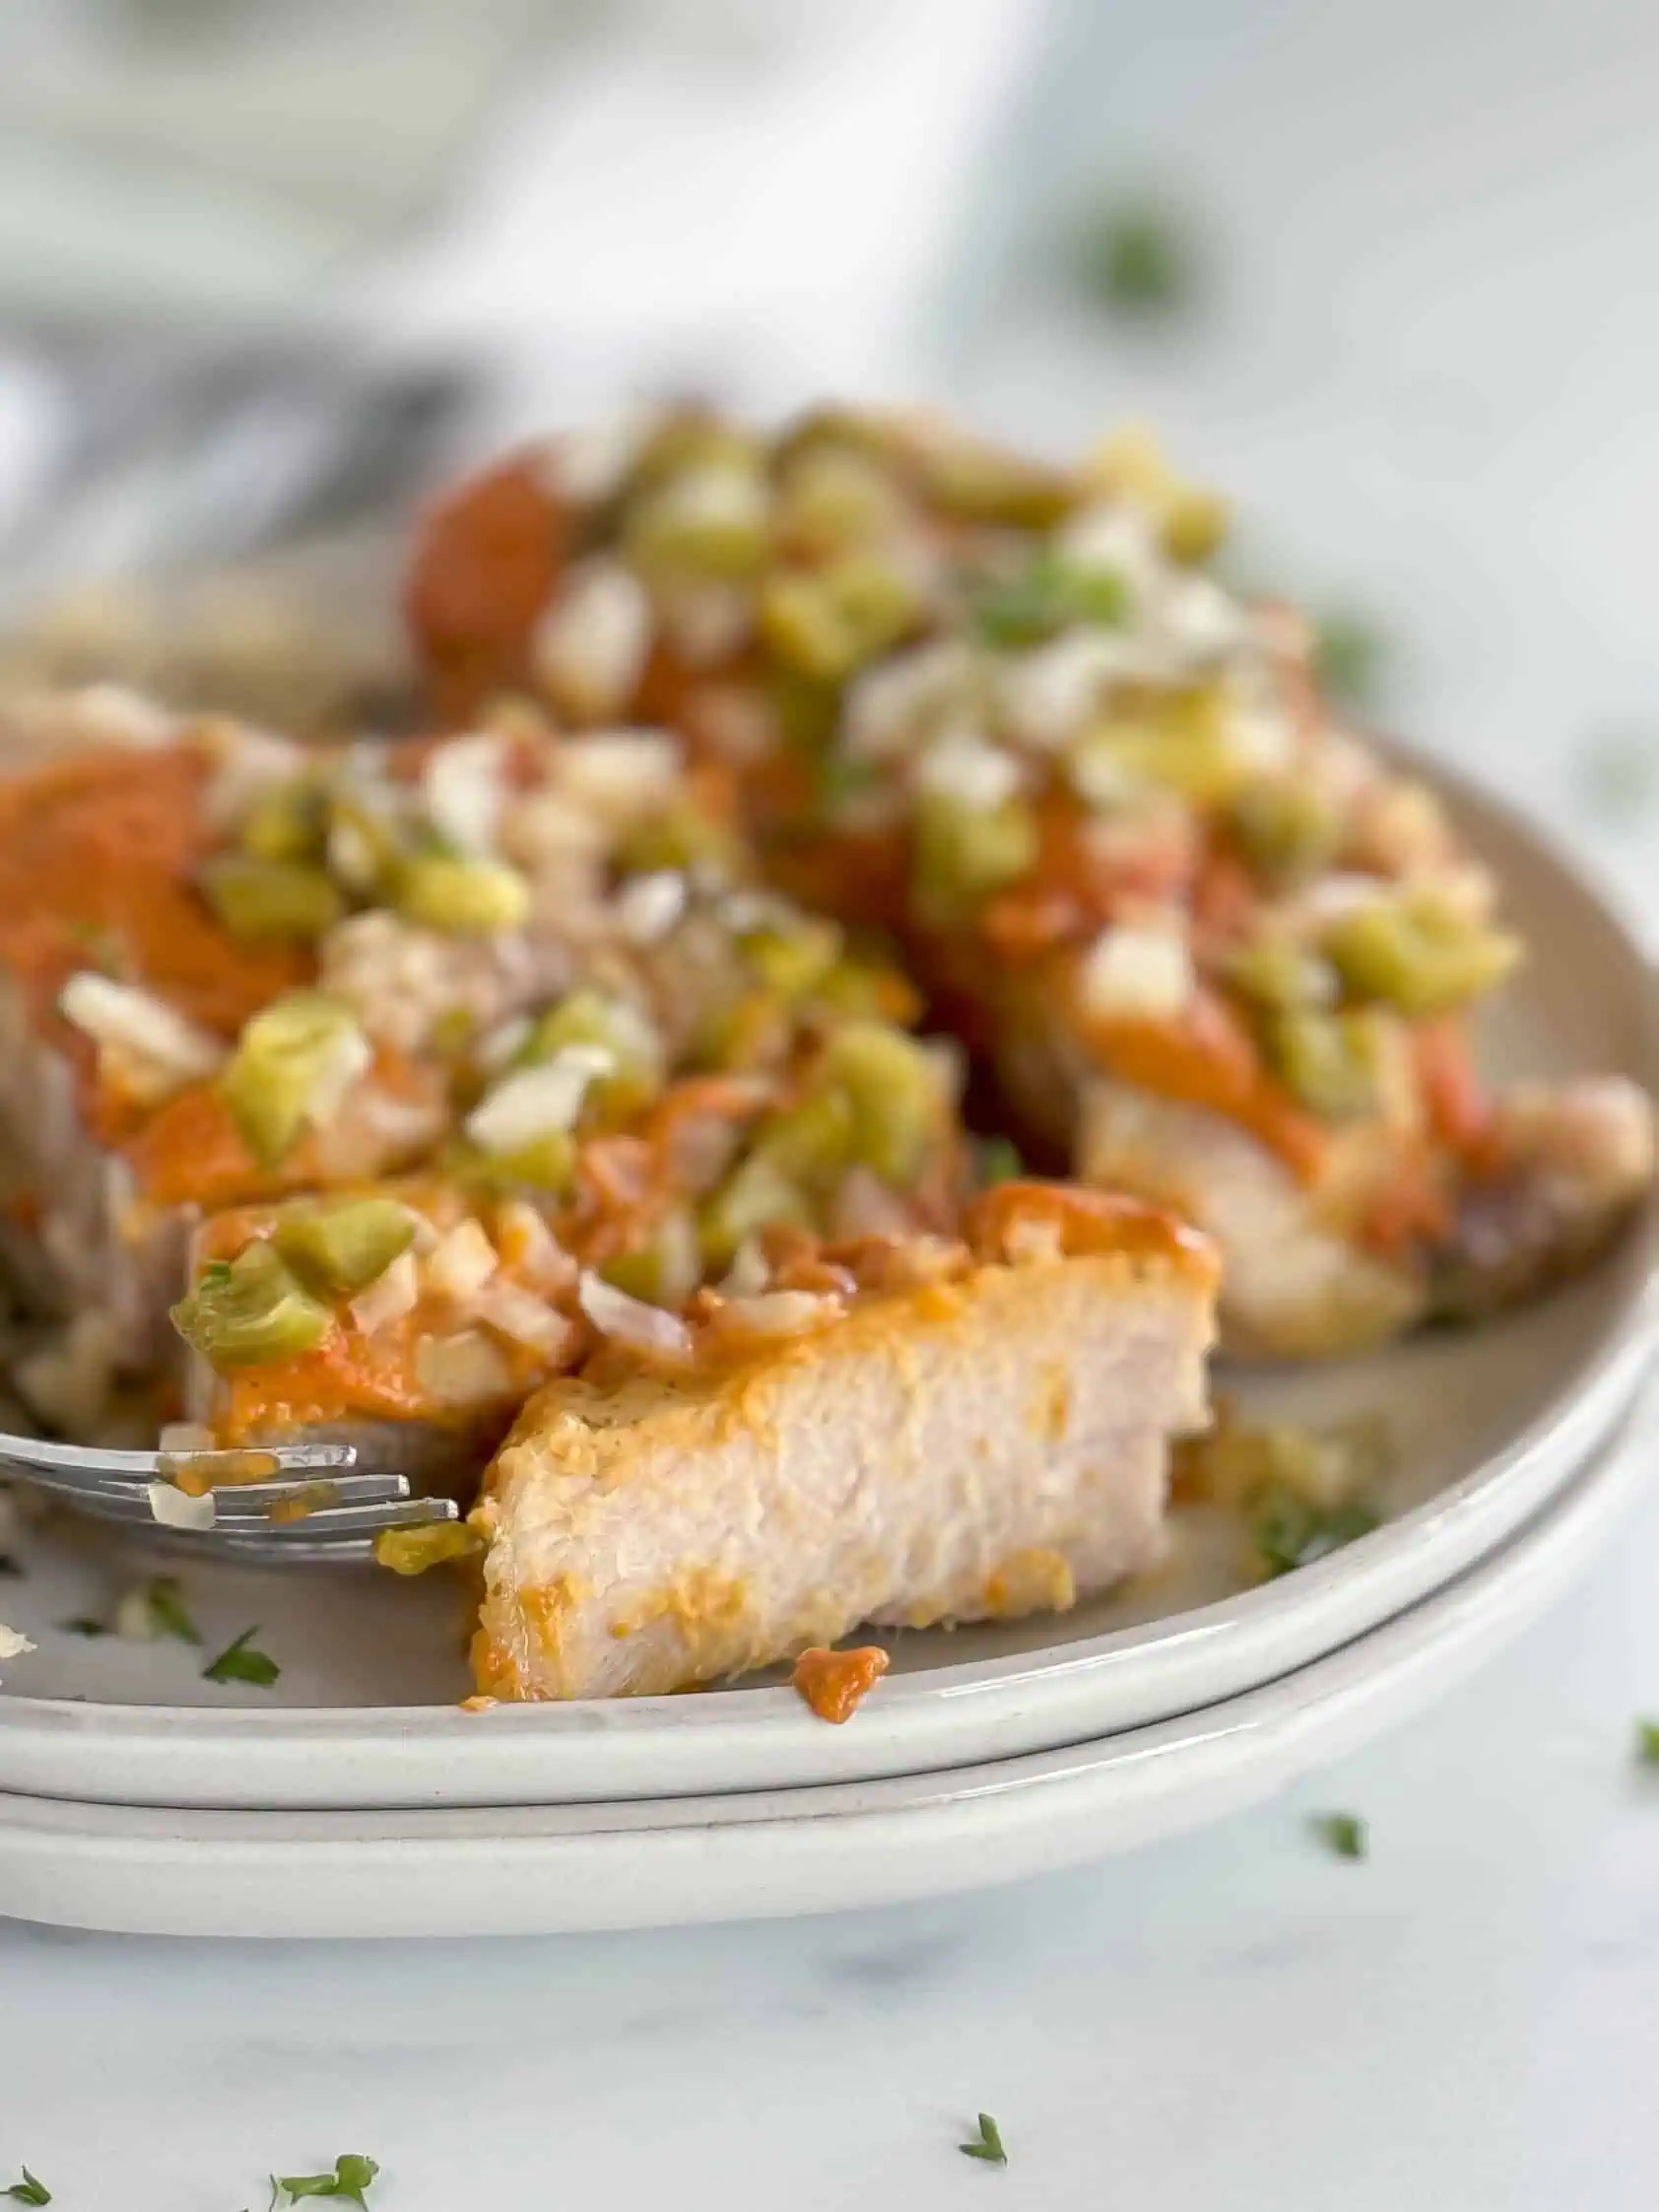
13, 1643
530, 1248
349, 1055
589, 465
1200, 619
647, 907
503, 1042
461, 1262
589, 646
462, 1370
465, 791
708, 623
617, 774
1117, 537
178, 1437
963, 767
866, 1206
1045, 697
247, 764
630, 1320
781, 1312
392, 1293
749, 1274
893, 706
1138, 974
175, 1509
514, 1312
114, 714
140, 1029
538, 1100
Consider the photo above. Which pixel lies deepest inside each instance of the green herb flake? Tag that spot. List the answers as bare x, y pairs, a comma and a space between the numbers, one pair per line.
352, 2175
1648, 1743
84, 1624
1344, 1835
1349, 659
1047, 596
987, 2144
242, 1661
1618, 772
999, 1162
168, 1612
1288, 1532
28, 2191
1140, 259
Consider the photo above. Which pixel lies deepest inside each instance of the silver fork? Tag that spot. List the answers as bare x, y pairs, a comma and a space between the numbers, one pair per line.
311, 1508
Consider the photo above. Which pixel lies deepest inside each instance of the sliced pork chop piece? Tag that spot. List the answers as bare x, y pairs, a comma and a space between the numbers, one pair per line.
980, 1449
1293, 1285
1562, 1172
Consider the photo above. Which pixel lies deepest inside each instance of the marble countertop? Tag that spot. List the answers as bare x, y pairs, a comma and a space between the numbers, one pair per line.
1235, 2019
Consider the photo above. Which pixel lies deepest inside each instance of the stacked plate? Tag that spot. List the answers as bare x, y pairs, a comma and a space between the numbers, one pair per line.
356, 1797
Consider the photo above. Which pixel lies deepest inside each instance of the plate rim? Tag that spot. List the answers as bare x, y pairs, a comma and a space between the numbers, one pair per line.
762, 1854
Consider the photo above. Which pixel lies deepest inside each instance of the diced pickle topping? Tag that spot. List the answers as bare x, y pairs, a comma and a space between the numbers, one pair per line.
757, 1194
253, 1311
964, 854
291, 1067
892, 1087
462, 897
1417, 953
1331, 1062
286, 823
588, 1016
268, 899
340, 1247
1287, 831
1277, 973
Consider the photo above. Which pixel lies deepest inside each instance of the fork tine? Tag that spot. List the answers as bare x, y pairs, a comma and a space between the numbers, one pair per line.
34, 1452
326, 1521
252, 1501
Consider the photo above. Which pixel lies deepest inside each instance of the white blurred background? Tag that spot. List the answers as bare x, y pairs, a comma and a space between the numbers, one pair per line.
266, 265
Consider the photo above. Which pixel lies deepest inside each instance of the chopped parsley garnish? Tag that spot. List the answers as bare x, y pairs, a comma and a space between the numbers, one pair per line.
1290, 1532
242, 1661
999, 1162
1138, 258
1349, 659
1647, 1742
216, 1271
1344, 1835
29, 2190
84, 1624
168, 1611
1046, 595
987, 2144
1620, 772
352, 2175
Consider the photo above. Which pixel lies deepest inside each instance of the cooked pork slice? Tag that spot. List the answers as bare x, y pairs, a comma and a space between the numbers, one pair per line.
1568, 1165
1293, 1283
976, 1447
1557, 1174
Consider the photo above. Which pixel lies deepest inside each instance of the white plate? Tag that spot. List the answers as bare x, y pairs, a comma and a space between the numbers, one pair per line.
1487, 1427
525, 1870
